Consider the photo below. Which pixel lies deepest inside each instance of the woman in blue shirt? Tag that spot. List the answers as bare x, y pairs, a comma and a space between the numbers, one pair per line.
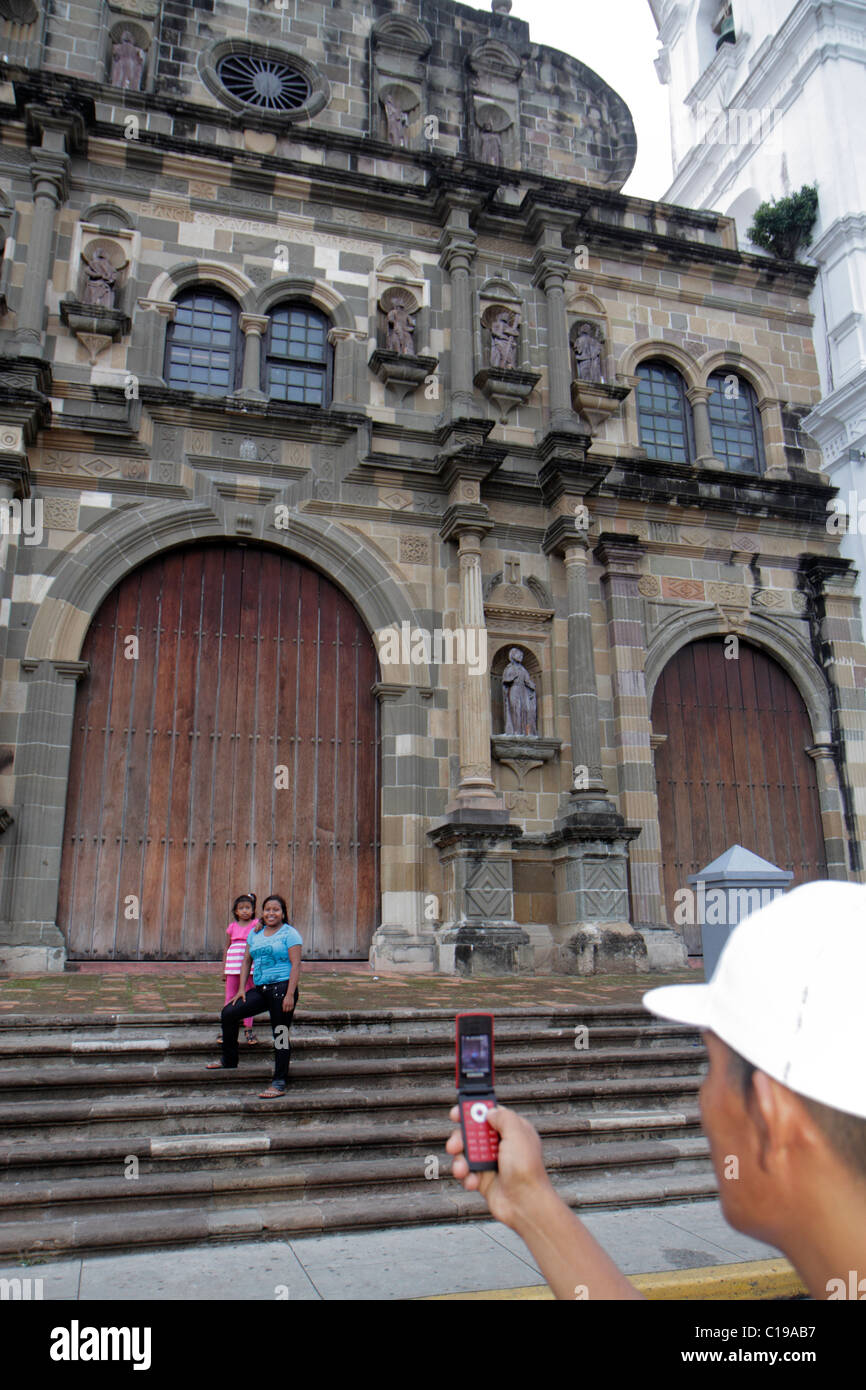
274, 949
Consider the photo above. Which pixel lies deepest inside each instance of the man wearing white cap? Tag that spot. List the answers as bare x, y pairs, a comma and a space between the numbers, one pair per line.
785, 1095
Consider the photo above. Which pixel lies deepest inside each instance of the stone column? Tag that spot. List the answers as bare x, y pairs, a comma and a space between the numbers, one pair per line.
620, 556
475, 724
50, 174
582, 690
348, 373
551, 265
773, 430
253, 327
698, 399
30, 940
457, 252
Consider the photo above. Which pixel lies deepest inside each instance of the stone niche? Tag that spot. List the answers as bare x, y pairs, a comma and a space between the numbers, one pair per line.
124, 62
594, 393
101, 265
398, 90
504, 375
493, 104
401, 315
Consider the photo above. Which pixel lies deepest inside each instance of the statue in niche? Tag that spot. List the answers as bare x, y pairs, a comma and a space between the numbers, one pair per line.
397, 119
401, 329
100, 279
519, 697
504, 328
491, 143
127, 63
587, 348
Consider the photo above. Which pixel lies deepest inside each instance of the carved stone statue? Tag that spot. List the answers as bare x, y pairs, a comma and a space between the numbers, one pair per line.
127, 63
491, 143
401, 329
587, 353
503, 339
397, 120
100, 279
519, 697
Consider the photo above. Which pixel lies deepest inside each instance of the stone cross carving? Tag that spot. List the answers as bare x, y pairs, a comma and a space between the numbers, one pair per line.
503, 338
587, 353
397, 120
401, 329
519, 697
100, 279
127, 63
491, 143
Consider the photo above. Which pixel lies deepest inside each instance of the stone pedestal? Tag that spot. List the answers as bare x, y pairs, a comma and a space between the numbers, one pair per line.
590, 861
479, 935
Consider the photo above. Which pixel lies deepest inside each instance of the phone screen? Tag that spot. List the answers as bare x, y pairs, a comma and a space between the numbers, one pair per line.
475, 1054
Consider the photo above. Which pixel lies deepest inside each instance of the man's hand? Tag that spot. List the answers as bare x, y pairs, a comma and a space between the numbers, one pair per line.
521, 1172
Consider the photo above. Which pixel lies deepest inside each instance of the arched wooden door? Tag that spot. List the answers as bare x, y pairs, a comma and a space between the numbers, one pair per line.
733, 767
234, 750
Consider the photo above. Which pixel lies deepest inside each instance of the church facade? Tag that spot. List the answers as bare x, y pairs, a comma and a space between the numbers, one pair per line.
395, 516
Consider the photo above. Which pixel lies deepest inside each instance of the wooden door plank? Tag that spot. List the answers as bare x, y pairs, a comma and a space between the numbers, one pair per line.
223, 886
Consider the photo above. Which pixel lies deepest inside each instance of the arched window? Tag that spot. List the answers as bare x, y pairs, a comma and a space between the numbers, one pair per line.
202, 344
664, 415
297, 366
735, 422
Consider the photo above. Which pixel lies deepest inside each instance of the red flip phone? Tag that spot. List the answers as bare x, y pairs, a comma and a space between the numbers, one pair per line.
475, 1090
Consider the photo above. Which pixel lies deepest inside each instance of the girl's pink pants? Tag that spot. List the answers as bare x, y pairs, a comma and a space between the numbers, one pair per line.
232, 982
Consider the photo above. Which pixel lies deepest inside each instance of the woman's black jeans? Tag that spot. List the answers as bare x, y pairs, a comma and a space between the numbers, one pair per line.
258, 1000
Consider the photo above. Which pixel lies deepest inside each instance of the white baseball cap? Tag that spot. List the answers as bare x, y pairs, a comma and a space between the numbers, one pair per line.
789, 993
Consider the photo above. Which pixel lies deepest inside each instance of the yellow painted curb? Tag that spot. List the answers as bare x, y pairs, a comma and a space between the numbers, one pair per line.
753, 1280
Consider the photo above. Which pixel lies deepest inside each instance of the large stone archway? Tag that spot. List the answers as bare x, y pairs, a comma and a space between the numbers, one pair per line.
52, 667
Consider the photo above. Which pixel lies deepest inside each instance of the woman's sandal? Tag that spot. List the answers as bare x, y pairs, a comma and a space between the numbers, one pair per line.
218, 1066
271, 1094
250, 1037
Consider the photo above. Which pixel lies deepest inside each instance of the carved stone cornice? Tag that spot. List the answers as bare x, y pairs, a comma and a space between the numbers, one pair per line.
620, 555
465, 516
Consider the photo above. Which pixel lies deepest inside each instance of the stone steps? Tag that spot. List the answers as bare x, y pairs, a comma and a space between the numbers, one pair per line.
281, 1145
440, 1202
349, 1145
299, 1182
385, 1073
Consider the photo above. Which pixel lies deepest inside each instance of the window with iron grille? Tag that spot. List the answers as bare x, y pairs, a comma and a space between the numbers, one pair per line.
664, 414
298, 359
202, 344
735, 422
263, 82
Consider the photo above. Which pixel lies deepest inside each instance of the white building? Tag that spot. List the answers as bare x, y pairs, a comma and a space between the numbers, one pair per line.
766, 96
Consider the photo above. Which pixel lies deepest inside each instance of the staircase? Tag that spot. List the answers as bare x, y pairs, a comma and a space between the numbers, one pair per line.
113, 1136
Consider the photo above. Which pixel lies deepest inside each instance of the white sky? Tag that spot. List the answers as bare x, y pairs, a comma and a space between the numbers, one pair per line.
618, 40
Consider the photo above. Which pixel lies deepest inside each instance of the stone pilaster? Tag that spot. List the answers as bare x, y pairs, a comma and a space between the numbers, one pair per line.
457, 252
550, 266
620, 556
30, 940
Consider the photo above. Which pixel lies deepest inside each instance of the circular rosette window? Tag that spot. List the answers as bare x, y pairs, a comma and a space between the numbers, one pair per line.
263, 82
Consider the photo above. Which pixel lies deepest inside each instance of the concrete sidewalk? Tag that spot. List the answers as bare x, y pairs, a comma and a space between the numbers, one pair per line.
417, 1262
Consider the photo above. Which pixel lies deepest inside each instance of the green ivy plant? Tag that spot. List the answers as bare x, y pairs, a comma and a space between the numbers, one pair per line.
784, 227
